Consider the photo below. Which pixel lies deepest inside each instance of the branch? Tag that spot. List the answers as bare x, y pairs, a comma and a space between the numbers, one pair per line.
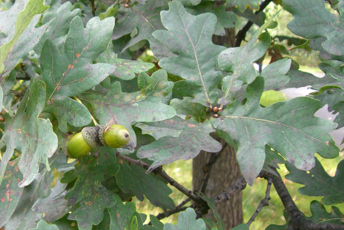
239, 185
263, 203
178, 208
163, 174
242, 33
297, 219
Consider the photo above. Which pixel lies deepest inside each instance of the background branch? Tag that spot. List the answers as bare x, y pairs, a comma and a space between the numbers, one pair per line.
242, 33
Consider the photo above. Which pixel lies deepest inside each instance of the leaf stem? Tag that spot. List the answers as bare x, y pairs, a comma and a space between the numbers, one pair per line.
94, 120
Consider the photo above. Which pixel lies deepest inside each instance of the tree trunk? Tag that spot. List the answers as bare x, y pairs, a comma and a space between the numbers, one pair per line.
225, 171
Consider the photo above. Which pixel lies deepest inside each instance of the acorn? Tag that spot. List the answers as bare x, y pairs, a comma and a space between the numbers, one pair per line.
116, 136
77, 147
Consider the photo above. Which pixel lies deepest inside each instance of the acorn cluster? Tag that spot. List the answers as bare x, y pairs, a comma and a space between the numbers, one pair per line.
113, 135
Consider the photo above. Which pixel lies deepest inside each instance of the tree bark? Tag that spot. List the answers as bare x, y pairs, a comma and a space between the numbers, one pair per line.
223, 174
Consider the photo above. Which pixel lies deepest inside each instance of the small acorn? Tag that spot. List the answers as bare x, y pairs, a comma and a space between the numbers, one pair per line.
77, 147
115, 136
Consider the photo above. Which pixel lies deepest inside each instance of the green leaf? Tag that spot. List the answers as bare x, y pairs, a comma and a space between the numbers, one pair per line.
320, 215
257, 19
31, 135
187, 107
241, 227
143, 20
112, 105
289, 127
18, 46
225, 19
193, 138
242, 4
25, 218
53, 206
88, 196
125, 69
58, 18
72, 73
275, 74
123, 215
272, 159
190, 38
10, 192
220, 224
315, 22
43, 225
187, 221
318, 183
133, 179
156, 224
238, 62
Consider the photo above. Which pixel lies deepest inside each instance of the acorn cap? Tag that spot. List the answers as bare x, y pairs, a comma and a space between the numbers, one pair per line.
90, 134
116, 136
77, 146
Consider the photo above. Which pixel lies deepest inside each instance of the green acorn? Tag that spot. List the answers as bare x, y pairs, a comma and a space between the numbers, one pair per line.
77, 146
115, 136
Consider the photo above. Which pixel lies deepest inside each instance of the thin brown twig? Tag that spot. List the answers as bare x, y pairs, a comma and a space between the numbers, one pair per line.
178, 208
264, 202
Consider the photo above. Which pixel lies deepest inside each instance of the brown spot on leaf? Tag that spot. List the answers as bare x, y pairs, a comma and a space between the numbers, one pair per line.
69, 66
3, 199
81, 79
72, 224
192, 126
78, 55
18, 180
118, 215
7, 186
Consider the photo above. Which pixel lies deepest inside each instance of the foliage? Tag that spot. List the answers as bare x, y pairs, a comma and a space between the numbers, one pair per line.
76, 64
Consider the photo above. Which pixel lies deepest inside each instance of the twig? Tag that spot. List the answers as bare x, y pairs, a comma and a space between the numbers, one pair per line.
163, 174
178, 208
263, 203
207, 168
239, 185
242, 33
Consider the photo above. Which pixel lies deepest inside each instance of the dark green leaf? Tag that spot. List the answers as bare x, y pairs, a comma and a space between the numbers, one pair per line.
187, 221
210, 201
241, 227
316, 22
111, 105
272, 159
88, 196
43, 225
189, 37
257, 19
156, 224
289, 127
318, 183
187, 107
122, 215
72, 73
10, 192
193, 138
31, 135
133, 179
320, 215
